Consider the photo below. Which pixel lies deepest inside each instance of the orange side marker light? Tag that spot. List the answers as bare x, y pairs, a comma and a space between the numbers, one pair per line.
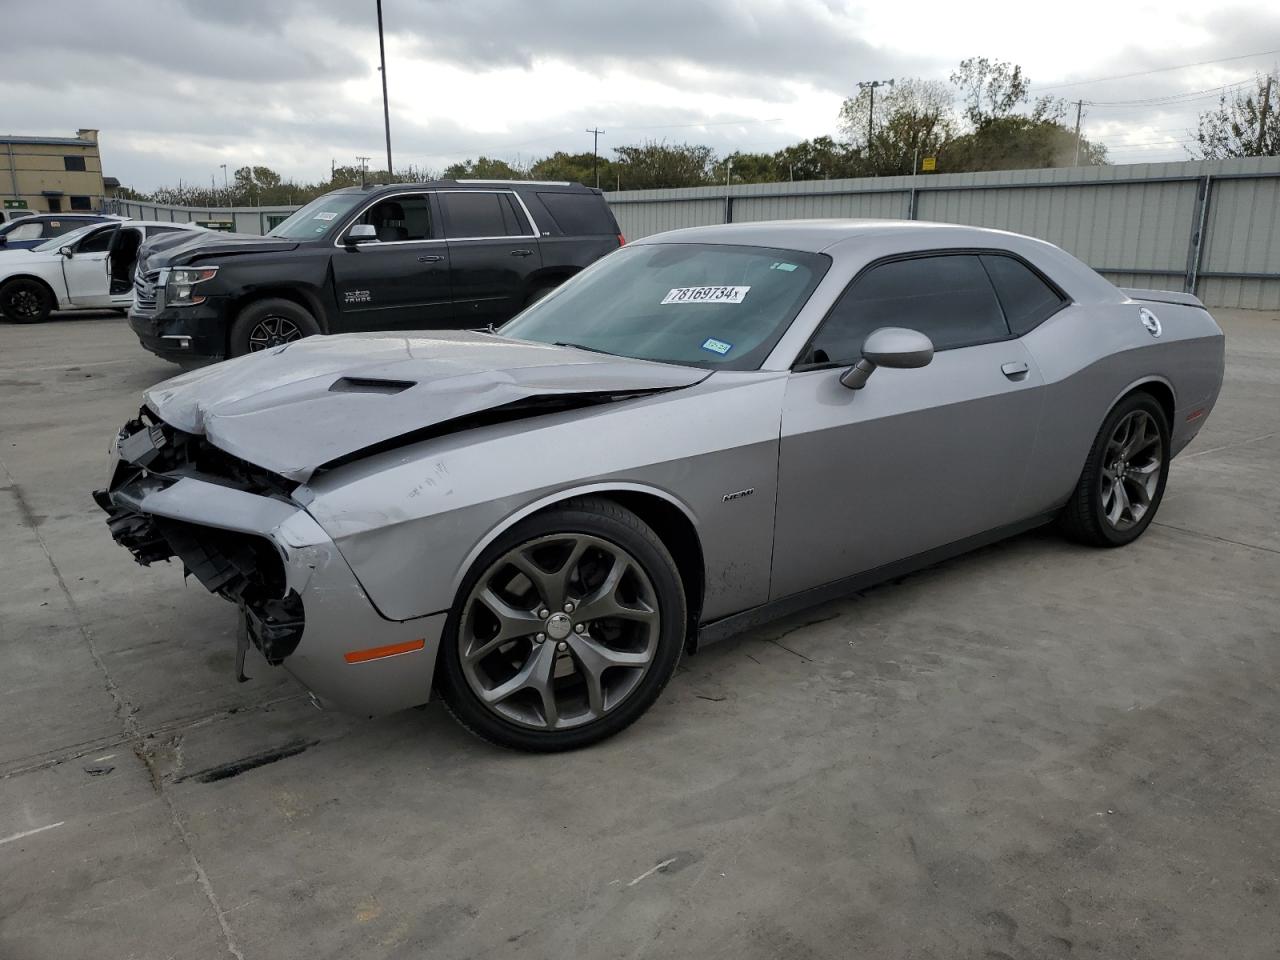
377, 653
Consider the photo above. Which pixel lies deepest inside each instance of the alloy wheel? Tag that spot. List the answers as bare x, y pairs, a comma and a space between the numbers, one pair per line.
272, 332
23, 303
1131, 466
559, 631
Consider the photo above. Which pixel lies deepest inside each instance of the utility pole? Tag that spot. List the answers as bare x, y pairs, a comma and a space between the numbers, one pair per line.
1262, 117
1079, 111
870, 85
364, 162
595, 154
386, 111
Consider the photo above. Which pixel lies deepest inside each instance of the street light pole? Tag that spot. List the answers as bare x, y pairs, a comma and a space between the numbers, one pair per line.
386, 110
226, 190
870, 85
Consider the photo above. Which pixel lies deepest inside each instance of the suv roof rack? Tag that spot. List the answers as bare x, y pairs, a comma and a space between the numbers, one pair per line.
544, 183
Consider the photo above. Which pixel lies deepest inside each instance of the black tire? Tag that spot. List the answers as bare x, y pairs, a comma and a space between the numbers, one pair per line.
540, 292
25, 301
595, 518
252, 330
1085, 516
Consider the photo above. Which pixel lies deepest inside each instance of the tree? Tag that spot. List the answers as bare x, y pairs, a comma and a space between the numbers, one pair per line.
821, 158
1017, 143
656, 164
483, 168
755, 167
913, 119
1238, 128
990, 88
575, 167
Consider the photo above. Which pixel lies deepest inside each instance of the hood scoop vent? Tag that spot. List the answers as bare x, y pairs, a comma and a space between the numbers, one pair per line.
370, 385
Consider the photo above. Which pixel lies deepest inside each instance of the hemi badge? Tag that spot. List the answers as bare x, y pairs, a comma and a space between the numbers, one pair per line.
377, 653
739, 495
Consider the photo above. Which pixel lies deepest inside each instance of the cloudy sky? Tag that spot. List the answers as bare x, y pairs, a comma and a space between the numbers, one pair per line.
179, 87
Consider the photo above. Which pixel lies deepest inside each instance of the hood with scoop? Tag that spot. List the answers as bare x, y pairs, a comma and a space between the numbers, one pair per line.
295, 408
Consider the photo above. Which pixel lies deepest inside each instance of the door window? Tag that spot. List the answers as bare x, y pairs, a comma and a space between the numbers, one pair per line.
948, 298
1027, 300
97, 242
476, 215
400, 218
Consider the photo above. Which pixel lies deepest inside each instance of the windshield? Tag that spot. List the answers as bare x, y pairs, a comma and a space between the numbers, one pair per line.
317, 217
698, 304
68, 239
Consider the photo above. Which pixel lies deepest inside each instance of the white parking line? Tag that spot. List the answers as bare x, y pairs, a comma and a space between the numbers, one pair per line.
27, 833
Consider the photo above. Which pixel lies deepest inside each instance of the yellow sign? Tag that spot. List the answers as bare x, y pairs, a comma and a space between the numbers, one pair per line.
930, 163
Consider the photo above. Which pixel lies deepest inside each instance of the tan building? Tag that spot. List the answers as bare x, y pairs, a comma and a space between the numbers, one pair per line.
51, 174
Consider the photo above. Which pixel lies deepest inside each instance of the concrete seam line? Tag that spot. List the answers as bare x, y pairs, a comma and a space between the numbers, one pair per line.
123, 712
1210, 536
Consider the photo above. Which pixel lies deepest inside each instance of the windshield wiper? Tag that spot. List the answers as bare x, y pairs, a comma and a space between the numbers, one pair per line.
579, 346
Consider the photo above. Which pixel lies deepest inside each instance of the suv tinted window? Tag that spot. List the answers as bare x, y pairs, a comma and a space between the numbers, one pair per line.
947, 298
1027, 300
400, 218
97, 242
478, 215
579, 213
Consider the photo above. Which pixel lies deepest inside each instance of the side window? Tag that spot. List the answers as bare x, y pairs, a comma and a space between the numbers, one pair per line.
472, 215
97, 242
400, 218
26, 231
1027, 300
579, 213
56, 228
948, 298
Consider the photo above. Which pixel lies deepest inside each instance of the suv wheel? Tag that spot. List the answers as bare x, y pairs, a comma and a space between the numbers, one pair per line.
565, 631
269, 323
25, 301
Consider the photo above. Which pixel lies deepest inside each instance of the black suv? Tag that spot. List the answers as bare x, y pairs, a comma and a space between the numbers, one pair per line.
447, 254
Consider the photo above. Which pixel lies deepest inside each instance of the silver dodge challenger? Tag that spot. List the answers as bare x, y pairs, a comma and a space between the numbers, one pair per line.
707, 429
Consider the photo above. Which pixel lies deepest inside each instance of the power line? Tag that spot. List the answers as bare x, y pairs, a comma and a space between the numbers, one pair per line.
1145, 73
1187, 97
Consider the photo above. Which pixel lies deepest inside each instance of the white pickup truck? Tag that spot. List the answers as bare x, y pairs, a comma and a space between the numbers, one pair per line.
86, 269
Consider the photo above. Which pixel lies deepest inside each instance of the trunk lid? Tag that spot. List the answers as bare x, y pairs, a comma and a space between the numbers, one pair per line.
295, 408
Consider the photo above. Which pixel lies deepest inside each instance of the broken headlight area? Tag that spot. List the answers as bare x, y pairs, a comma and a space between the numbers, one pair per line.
244, 568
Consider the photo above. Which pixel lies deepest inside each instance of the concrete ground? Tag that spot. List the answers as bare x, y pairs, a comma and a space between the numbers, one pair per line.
1036, 751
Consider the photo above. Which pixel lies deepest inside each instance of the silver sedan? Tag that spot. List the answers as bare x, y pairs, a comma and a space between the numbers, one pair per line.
704, 430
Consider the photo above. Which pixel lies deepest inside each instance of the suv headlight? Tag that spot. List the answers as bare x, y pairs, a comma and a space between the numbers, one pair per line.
180, 285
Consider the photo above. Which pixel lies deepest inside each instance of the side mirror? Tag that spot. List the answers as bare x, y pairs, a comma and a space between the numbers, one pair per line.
361, 233
65, 251
892, 347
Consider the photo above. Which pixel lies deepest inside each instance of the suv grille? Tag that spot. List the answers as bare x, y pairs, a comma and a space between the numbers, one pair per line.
144, 289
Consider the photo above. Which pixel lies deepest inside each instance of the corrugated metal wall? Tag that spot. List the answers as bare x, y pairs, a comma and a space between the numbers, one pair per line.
1138, 224
1141, 225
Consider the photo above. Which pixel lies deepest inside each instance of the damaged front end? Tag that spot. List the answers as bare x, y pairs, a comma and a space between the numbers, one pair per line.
245, 567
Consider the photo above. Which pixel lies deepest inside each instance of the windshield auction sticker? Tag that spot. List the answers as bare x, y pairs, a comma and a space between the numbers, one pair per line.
705, 295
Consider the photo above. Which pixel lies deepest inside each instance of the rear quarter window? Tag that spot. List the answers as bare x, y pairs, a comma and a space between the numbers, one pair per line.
579, 213
1026, 298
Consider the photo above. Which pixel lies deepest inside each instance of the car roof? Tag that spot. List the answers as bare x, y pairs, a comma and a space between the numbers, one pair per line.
816, 236
470, 184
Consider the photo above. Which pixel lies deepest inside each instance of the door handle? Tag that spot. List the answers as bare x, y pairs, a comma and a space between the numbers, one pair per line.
522, 253
430, 259
1014, 369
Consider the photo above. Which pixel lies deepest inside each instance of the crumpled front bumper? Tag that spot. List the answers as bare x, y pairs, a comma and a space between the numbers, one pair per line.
340, 630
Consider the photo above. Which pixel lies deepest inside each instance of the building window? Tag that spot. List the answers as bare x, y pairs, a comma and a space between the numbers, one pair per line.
73, 163
81, 203
55, 204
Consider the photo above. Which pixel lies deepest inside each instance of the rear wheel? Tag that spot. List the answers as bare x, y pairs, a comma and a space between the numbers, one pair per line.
25, 301
269, 323
1124, 477
565, 631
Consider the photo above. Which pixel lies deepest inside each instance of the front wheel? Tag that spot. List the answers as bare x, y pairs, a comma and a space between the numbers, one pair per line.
269, 323
1124, 477
565, 631
25, 301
